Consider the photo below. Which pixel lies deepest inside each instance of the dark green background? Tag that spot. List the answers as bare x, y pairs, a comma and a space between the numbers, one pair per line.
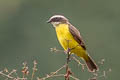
25, 35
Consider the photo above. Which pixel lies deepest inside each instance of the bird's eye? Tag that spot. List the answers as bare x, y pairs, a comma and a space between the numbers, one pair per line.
56, 19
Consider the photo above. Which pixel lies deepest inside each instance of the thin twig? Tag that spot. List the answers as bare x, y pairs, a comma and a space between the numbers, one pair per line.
11, 77
79, 63
8, 76
34, 69
52, 74
49, 76
57, 75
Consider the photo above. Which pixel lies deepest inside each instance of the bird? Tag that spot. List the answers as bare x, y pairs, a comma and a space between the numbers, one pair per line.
69, 37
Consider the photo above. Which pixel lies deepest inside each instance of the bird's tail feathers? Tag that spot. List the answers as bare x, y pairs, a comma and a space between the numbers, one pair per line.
91, 65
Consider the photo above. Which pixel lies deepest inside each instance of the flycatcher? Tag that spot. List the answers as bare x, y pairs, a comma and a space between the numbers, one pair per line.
70, 38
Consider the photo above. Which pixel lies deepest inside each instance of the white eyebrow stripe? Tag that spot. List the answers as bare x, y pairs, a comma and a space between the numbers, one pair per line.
57, 16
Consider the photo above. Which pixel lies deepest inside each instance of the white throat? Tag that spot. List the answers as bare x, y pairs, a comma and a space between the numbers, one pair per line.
55, 23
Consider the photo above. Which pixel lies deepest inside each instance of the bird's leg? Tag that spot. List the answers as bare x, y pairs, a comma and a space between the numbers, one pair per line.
68, 47
67, 51
75, 47
68, 55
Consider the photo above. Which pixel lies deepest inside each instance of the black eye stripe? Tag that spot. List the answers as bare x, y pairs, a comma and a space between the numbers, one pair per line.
56, 19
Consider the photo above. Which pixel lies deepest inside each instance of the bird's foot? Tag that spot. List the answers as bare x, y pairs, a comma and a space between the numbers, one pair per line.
67, 51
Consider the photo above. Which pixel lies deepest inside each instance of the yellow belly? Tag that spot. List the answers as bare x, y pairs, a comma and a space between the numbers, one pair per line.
67, 41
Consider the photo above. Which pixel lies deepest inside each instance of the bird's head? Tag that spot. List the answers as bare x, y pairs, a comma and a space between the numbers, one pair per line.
57, 19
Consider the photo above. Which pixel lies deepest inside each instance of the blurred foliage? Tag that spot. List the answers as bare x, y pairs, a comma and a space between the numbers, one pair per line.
25, 35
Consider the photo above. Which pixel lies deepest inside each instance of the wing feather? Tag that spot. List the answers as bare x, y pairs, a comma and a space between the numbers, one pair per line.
76, 35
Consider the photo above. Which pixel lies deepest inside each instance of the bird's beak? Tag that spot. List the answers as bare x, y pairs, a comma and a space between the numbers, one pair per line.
49, 21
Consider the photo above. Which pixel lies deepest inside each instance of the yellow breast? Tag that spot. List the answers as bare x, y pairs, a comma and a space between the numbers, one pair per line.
64, 35
67, 41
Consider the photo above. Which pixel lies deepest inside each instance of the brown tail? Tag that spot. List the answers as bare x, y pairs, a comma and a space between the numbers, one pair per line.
92, 67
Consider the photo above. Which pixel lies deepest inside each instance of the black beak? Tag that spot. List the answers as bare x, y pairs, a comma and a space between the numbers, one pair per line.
49, 21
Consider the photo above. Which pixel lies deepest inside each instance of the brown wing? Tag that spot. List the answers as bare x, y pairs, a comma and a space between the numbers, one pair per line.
76, 34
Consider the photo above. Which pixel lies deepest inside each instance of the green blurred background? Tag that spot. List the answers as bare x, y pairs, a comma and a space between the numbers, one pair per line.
25, 35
